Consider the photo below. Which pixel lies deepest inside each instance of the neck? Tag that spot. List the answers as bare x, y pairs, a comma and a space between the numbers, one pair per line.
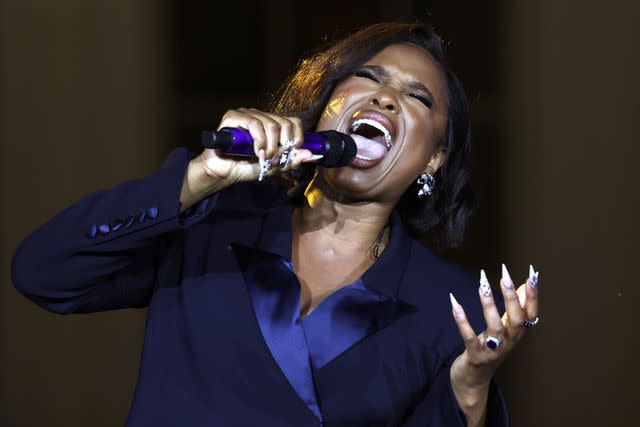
350, 225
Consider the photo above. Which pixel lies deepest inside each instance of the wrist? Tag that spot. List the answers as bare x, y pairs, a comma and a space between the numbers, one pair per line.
471, 392
198, 184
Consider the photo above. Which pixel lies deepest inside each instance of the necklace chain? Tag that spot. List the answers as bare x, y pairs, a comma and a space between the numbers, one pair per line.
376, 246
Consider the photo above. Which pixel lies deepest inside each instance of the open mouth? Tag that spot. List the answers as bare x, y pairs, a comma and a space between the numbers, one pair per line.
373, 130
372, 138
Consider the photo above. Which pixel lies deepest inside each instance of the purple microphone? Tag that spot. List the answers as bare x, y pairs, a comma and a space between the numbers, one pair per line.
338, 149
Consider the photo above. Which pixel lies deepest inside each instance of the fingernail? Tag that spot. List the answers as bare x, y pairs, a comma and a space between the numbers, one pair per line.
266, 165
485, 288
506, 278
313, 158
457, 308
533, 277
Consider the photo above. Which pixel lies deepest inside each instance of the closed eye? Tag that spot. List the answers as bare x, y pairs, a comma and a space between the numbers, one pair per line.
426, 101
366, 75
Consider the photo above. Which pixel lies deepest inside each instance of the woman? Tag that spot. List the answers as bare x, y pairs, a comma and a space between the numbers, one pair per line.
323, 309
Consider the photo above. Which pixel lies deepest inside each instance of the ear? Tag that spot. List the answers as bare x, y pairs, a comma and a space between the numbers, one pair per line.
436, 160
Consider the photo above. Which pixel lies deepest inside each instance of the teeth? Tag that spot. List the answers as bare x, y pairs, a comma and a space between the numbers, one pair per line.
387, 136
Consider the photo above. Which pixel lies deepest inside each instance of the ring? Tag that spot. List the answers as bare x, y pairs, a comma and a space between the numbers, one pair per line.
531, 324
286, 149
493, 342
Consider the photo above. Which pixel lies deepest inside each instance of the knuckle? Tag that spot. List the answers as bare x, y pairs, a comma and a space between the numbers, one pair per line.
468, 340
271, 125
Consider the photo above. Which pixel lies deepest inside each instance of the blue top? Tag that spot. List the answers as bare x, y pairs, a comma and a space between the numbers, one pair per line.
223, 344
302, 346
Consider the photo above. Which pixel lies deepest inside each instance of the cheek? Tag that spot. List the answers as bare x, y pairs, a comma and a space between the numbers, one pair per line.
426, 134
332, 112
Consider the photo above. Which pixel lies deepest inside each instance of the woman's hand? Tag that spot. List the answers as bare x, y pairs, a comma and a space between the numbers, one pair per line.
212, 170
472, 371
270, 134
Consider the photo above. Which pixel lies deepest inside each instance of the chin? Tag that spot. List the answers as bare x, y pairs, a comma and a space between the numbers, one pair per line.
351, 183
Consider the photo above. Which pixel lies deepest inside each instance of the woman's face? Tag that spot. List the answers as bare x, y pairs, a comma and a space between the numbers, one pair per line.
395, 107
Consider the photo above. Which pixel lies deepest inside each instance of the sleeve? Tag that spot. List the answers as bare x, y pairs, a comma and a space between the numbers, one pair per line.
102, 252
439, 408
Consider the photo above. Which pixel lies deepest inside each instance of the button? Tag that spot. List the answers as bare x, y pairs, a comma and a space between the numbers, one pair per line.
92, 231
104, 229
152, 213
129, 221
141, 216
116, 225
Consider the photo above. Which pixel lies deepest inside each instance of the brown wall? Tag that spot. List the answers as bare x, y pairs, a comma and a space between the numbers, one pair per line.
88, 98
570, 205
82, 96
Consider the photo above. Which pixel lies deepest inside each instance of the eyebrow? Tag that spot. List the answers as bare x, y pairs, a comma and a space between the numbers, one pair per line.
413, 85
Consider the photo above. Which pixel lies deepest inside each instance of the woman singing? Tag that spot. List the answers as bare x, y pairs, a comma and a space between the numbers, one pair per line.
313, 305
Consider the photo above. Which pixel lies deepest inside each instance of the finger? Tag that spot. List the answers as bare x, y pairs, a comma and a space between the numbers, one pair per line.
514, 312
522, 296
242, 119
531, 291
298, 131
298, 155
287, 128
492, 317
271, 130
467, 333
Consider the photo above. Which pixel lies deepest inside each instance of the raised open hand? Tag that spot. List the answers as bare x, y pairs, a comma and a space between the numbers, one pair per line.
471, 372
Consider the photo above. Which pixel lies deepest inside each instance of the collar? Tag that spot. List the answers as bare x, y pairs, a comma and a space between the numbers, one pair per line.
384, 276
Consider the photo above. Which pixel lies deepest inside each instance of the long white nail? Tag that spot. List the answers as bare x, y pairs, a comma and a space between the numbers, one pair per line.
533, 277
457, 308
313, 158
483, 277
485, 288
506, 278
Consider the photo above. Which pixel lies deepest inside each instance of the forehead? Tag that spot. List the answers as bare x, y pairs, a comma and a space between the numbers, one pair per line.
409, 62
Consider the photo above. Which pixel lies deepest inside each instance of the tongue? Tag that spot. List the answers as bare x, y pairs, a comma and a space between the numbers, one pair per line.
368, 149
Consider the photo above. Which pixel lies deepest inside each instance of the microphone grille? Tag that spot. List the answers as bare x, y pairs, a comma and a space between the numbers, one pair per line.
341, 149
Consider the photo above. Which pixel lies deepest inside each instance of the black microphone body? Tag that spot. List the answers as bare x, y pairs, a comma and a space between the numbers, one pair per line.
338, 149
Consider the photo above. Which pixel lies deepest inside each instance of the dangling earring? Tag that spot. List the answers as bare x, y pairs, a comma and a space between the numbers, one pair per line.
427, 183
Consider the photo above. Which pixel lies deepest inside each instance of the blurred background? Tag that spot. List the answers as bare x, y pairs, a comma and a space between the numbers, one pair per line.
96, 92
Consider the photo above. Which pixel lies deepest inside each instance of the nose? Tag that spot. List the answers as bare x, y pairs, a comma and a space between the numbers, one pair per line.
385, 100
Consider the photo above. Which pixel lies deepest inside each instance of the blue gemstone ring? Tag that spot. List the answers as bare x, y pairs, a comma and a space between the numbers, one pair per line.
531, 324
493, 342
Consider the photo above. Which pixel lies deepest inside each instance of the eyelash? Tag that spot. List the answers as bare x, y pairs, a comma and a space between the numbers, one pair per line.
426, 101
365, 74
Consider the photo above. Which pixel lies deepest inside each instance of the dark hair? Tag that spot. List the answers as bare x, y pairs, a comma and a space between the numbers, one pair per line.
442, 216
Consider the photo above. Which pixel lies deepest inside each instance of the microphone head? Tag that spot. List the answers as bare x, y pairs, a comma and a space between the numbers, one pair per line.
341, 149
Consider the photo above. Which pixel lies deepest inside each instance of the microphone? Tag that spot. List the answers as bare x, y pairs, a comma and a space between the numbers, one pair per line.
338, 149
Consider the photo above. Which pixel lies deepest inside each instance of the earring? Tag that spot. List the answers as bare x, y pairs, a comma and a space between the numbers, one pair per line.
427, 183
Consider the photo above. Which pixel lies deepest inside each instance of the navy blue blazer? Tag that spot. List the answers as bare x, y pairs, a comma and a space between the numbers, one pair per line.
204, 360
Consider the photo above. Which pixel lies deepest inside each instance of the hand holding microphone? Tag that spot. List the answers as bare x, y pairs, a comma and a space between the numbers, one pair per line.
246, 134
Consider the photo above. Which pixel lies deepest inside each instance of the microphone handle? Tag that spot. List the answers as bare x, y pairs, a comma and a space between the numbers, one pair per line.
239, 142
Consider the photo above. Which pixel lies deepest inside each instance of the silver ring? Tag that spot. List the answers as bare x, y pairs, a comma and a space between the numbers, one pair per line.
531, 324
285, 157
493, 342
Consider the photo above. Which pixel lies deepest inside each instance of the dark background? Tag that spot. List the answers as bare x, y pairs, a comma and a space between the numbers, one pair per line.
93, 93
